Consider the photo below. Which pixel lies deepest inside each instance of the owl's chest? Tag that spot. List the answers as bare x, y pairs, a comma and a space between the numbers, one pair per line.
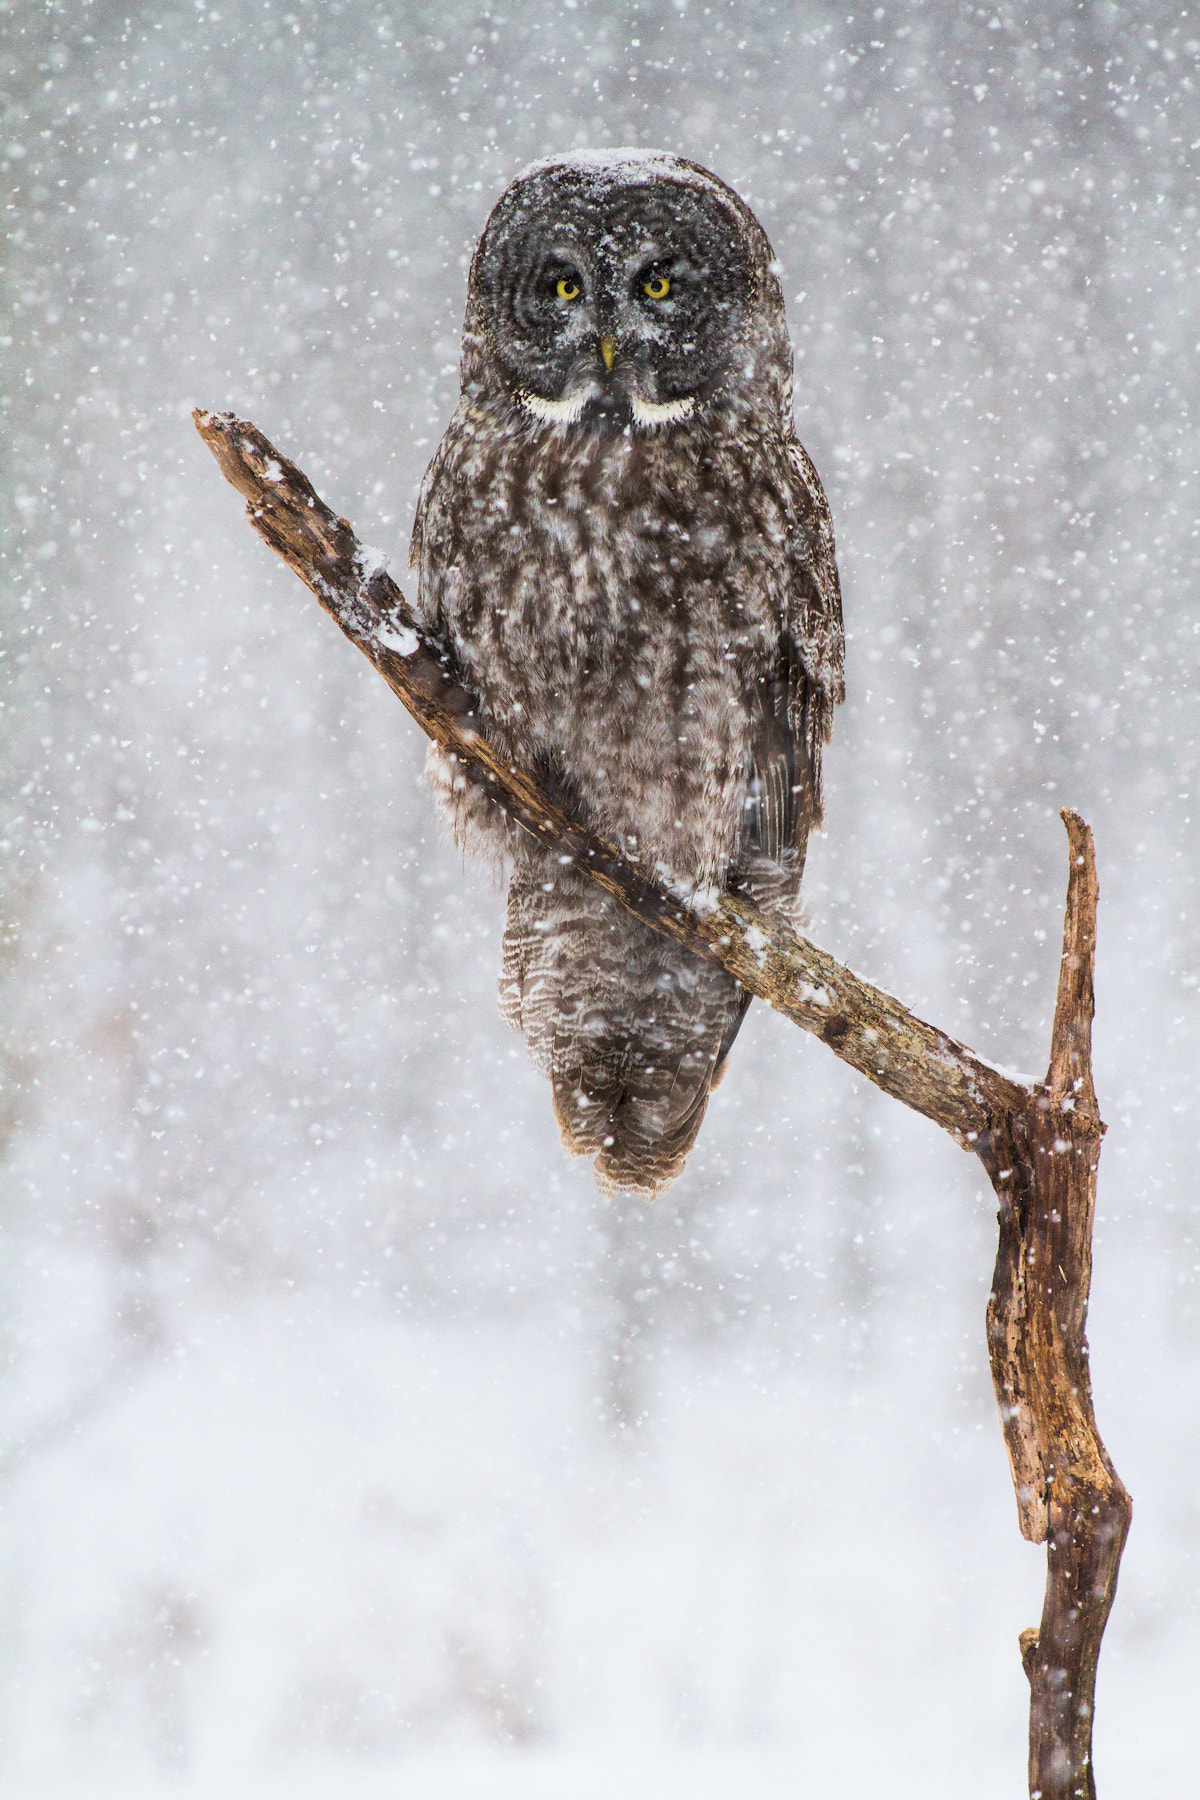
616, 624
616, 617
565, 595
599, 582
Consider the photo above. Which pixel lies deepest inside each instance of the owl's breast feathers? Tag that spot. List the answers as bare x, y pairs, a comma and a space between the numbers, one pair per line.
652, 617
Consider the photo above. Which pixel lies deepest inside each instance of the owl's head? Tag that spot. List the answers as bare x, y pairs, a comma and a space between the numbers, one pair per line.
624, 289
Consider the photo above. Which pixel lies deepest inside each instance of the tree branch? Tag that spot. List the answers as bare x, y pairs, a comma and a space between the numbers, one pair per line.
1040, 1144
865, 1027
1043, 1163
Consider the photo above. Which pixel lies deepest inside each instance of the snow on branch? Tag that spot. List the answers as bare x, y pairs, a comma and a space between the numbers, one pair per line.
1039, 1142
867, 1028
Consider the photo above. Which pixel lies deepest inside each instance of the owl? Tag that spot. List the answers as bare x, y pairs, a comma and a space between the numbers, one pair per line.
625, 550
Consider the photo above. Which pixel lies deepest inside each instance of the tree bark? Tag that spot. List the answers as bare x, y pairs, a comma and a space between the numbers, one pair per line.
1038, 1142
1043, 1163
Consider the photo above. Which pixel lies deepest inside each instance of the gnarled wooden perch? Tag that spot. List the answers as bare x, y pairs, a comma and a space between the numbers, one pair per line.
1040, 1143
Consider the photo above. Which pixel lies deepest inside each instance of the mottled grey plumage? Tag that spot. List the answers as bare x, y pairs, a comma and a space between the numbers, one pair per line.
630, 556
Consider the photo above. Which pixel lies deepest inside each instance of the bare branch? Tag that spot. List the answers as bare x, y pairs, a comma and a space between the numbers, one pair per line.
1070, 1071
866, 1027
1044, 1164
1039, 1144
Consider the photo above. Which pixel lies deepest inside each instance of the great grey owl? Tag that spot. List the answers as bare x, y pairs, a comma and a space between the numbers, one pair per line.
627, 551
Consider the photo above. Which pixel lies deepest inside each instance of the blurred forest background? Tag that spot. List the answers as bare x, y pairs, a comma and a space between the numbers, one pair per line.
354, 1444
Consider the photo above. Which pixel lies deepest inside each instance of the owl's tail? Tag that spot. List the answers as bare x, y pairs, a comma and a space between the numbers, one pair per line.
632, 1031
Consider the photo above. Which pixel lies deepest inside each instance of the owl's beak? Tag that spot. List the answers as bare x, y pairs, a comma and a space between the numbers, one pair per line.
607, 350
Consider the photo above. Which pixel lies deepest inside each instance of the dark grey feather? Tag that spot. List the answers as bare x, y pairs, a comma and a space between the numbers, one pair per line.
634, 567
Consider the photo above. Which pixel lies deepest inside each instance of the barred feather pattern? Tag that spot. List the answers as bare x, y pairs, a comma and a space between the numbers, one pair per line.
630, 1032
651, 620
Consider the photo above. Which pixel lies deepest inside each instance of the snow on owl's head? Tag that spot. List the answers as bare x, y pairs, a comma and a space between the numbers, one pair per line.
619, 288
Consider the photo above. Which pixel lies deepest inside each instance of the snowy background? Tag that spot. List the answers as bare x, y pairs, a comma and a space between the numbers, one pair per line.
354, 1445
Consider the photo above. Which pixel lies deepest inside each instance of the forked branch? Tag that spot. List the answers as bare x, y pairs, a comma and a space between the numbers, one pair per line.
1040, 1144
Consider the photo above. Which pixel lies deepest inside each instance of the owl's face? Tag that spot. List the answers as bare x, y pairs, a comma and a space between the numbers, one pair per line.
620, 290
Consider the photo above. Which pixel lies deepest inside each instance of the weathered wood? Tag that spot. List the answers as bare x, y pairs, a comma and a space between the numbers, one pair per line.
868, 1029
1040, 1144
1043, 1163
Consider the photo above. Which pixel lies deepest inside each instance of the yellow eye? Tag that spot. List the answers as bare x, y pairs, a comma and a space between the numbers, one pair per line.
658, 287
567, 289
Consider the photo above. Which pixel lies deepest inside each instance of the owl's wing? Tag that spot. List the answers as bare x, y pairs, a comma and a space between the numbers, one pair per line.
794, 705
